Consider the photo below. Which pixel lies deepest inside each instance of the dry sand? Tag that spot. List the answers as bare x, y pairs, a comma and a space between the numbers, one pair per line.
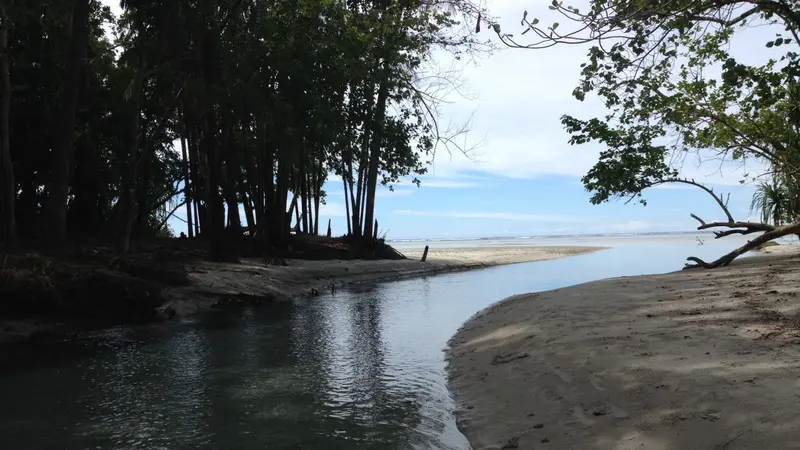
251, 278
688, 360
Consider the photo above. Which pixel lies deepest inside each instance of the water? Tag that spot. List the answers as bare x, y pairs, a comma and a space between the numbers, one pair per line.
362, 369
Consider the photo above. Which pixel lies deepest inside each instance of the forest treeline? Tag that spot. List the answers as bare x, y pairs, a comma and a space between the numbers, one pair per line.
109, 124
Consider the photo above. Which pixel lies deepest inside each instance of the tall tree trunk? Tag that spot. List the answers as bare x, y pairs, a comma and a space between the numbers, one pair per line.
8, 221
279, 215
301, 187
187, 187
317, 194
127, 202
210, 64
56, 212
248, 208
347, 206
232, 171
143, 177
362, 201
375, 153
196, 184
275, 219
308, 203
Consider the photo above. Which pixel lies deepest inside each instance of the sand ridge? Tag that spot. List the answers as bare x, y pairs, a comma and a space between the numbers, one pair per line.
689, 360
252, 278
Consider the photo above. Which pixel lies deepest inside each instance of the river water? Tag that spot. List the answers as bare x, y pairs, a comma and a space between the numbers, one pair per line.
362, 369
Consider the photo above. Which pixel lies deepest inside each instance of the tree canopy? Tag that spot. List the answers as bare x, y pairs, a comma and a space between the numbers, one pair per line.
666, 73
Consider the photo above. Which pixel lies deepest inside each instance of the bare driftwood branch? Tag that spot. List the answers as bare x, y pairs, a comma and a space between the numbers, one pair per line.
742, 228
764, 238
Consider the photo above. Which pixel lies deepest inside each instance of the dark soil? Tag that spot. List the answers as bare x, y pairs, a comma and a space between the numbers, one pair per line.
91, 282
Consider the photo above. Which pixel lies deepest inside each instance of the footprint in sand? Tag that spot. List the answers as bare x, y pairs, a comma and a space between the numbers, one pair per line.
580, 416
596, 382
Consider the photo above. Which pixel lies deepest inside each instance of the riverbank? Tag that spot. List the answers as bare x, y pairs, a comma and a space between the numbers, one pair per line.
221, 283
42, 295
692, 359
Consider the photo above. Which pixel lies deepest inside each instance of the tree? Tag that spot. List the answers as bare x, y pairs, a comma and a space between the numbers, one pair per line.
650, 64
269, 98
8, 223
56, 232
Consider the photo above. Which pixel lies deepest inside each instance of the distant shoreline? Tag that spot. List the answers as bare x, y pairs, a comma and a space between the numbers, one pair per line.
689, 359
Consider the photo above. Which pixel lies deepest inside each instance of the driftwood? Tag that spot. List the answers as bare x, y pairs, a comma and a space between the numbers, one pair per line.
424, 254
734, 227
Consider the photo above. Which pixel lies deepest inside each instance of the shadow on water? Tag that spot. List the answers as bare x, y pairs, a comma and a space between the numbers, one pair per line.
359, 370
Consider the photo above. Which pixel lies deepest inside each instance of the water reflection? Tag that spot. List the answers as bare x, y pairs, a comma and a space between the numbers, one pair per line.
359, 370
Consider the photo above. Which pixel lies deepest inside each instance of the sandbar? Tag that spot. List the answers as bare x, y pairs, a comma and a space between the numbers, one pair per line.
252, 278
698, 359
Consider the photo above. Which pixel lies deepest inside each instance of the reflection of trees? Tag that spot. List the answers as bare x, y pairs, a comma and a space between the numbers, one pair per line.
384, 400
253, 388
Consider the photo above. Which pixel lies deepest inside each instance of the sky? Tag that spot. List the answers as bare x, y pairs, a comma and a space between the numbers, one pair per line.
522, 178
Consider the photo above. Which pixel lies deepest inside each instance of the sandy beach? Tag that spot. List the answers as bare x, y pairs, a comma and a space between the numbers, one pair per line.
252, 279
687, 360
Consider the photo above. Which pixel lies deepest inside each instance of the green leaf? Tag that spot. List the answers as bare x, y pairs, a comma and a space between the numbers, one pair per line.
534, 21
555, 25
770, 44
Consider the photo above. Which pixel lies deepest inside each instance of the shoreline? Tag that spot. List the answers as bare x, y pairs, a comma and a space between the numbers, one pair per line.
211, 282
688, 359
222, 285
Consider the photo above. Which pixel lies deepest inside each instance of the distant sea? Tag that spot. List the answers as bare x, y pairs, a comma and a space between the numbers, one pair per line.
601, 240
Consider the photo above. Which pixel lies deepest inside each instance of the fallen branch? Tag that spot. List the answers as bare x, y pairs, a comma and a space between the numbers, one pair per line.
776, 233
755, 226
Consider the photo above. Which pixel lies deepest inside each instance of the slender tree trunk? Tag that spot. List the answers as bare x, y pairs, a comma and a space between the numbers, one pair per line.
127, 209
56, 212
308, 200
8, 221
210, 63
187, 188
317, 193
195, 185
276, 220
279, 214
301, 187
358, 215
347, 205
375, 153
296, 211
232, 170
248, 209
363, 202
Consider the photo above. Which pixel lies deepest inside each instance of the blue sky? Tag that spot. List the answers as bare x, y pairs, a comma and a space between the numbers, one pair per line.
522, 178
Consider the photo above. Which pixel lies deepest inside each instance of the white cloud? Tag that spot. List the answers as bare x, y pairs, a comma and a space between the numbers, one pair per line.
448, 184
521, 97
632, 226
332, 209
490, 215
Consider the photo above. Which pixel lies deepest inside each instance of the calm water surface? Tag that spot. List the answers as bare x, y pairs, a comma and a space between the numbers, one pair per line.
359, 370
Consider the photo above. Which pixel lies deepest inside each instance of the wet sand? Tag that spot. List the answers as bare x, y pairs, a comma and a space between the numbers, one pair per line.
700, 359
